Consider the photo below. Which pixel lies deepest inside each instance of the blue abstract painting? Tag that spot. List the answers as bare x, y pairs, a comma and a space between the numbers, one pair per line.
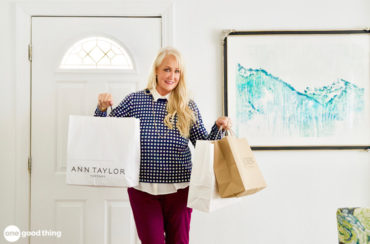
299, 89
275, 107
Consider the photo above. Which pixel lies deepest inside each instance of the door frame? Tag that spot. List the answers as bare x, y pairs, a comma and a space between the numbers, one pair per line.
24, 13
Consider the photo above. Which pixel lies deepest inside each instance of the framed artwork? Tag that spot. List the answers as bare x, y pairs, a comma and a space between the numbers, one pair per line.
299, 89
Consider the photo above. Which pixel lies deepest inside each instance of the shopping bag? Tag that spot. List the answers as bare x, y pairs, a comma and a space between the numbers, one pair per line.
236, 170
103, 151
203, 193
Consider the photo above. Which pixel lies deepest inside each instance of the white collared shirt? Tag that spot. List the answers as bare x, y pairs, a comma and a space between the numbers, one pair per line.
160, 188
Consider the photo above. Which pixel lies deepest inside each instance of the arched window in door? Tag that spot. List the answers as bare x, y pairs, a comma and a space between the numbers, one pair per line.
96, 53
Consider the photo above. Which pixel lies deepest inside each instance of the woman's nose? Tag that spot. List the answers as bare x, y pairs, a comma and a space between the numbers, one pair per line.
172, 75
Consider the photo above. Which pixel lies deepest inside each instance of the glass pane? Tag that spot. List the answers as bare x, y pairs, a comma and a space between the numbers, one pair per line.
89, 45
89, 61
119, 60
96, 53
105, 61
104, 46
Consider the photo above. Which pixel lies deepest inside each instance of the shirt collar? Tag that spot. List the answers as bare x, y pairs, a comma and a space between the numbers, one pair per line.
157, 96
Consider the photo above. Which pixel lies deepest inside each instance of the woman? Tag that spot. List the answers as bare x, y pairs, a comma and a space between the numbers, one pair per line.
168, 120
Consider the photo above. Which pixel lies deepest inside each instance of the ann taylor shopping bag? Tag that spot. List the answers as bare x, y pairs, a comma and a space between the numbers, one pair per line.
103, 151
203, 193
236, 170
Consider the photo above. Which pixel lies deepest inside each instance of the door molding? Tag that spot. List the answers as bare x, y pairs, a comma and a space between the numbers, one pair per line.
24, 13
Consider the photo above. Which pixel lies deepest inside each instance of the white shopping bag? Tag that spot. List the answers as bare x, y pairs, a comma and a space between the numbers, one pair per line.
103, 151
203, 193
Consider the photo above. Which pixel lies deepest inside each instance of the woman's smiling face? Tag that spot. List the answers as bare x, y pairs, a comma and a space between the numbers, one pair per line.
168, 75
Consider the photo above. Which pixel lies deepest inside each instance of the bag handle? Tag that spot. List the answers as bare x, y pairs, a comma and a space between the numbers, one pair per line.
218, 132
229, 131
232, 133
111, 109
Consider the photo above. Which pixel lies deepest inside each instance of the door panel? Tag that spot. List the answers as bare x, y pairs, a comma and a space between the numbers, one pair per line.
83, 214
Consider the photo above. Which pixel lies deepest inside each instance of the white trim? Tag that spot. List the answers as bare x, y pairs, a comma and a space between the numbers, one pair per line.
24, 12
22, 120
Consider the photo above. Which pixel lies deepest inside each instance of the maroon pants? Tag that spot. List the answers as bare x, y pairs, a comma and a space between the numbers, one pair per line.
161, 219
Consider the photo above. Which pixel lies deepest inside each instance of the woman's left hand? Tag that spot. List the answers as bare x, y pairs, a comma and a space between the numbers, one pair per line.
225, 122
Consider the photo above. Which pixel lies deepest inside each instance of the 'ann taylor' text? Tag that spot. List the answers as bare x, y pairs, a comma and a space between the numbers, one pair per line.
98, 170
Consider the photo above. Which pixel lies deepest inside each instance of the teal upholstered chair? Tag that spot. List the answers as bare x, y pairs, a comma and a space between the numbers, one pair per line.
353, 225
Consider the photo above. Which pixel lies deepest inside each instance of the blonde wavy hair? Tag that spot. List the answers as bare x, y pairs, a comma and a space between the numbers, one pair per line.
178, 103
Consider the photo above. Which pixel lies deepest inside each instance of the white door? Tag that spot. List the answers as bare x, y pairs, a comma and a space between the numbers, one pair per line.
83, 214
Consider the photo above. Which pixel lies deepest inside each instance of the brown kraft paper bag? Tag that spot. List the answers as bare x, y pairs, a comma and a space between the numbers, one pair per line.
237, 173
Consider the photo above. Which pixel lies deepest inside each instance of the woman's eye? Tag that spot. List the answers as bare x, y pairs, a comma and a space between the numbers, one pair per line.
167, 69
177, 71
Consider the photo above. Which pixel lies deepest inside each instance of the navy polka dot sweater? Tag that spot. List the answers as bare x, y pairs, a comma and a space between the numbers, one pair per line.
165, 154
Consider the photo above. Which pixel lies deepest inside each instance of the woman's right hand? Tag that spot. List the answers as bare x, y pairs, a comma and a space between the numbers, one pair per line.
104, 101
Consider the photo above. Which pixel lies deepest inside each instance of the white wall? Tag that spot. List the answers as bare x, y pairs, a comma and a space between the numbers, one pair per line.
305, 187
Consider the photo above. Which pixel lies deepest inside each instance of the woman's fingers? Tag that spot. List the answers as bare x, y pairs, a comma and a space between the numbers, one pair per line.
104, 101
228, 124
225, 122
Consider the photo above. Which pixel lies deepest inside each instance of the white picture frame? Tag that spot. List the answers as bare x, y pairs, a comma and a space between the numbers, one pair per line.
299, 89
